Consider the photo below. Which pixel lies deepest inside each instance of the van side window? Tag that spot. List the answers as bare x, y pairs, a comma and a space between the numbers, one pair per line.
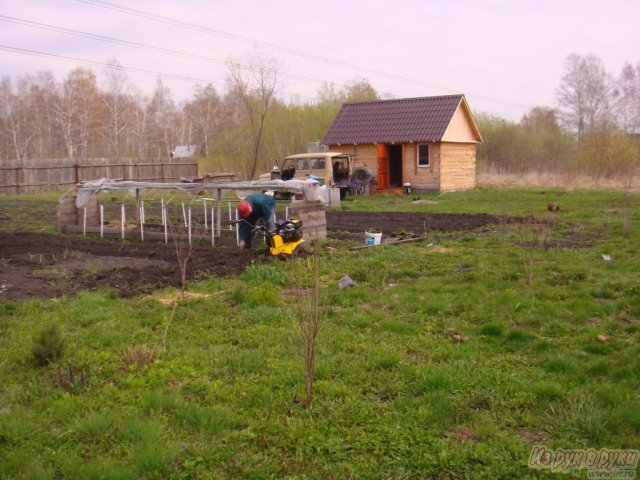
317, 164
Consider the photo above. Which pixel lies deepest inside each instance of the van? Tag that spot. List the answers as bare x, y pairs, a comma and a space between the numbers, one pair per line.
328, 168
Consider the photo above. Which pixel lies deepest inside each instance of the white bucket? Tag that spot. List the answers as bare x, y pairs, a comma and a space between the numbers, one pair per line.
372, 238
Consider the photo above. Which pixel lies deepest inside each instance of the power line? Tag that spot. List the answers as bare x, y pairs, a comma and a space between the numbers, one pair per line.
142, 46
36, 53
272, 46
170, 52
25, 51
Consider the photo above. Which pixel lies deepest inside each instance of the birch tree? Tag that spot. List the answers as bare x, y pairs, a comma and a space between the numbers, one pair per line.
160, 118
254, 81
119, 104
16, 110
584, 95
204, 111
626, 94
74, 111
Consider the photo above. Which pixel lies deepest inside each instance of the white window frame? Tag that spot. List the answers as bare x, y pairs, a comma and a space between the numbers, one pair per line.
428, 145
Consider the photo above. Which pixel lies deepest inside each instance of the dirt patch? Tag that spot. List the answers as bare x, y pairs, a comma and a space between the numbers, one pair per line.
40, 265
352, 225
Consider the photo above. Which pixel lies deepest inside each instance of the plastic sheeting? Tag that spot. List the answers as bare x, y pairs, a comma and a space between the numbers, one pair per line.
86, 190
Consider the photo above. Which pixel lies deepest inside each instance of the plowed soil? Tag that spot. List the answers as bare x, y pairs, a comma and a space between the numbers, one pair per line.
36, 265
354, 224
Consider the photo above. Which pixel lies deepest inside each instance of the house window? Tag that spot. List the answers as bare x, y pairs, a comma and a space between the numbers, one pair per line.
423, 155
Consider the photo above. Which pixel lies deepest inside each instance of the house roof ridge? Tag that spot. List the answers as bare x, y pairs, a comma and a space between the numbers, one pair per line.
406, 99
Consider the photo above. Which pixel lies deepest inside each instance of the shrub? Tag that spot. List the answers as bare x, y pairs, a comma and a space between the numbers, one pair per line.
138, 356
48, 345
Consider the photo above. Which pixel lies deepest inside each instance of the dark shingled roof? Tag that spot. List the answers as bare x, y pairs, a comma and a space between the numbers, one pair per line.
405, 120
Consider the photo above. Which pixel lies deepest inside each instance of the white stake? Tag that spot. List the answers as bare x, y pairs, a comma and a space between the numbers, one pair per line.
84, 222
142, 219
204, 202
286, 213
189, 225
162, 209
101, 221
213, 229
166, 238
141, 224
184, 215
122, 220
237, 230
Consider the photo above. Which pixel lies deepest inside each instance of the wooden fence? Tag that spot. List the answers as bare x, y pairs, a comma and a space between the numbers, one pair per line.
34, 176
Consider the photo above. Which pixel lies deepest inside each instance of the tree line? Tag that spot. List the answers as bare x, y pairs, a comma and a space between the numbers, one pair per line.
593, 130
594, 127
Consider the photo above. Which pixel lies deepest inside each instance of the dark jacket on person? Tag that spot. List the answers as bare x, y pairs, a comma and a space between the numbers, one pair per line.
262, 210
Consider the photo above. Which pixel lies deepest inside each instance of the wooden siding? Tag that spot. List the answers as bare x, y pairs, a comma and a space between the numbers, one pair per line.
365, 156
421, 178
452, 166
461, 129
458, 170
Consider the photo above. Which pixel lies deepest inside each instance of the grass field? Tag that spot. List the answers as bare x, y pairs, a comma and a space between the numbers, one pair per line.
451, 358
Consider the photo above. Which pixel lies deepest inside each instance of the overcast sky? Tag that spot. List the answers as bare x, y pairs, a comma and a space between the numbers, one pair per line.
505, 55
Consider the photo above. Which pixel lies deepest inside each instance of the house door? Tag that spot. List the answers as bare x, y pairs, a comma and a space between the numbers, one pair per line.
395, 165
383, 167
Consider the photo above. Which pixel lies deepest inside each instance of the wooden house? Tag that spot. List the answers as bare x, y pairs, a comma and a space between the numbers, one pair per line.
429, 142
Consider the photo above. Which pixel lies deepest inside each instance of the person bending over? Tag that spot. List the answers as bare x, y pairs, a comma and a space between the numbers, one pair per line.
257, 209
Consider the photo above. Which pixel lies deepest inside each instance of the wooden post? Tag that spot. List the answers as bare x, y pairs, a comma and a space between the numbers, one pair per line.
77, 168
204, 202
213, 229
237, 230
137, 211
141, 223
19, 180
189, 225
101, 220
166, 238
219, 212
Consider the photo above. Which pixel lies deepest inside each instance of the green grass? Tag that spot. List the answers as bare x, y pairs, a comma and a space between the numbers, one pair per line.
396, 396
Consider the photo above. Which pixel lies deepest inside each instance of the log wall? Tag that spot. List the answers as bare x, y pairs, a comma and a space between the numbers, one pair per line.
458, 170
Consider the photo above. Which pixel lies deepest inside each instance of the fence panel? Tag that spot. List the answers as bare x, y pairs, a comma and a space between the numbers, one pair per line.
34, 176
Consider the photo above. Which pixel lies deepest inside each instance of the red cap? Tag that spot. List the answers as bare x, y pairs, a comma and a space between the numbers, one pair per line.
244, 209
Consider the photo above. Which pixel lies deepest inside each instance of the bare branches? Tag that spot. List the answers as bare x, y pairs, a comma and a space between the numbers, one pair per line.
255, 83
310, 311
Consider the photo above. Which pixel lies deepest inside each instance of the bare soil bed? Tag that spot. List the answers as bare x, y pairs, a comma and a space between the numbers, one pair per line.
37, 265
354, 224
